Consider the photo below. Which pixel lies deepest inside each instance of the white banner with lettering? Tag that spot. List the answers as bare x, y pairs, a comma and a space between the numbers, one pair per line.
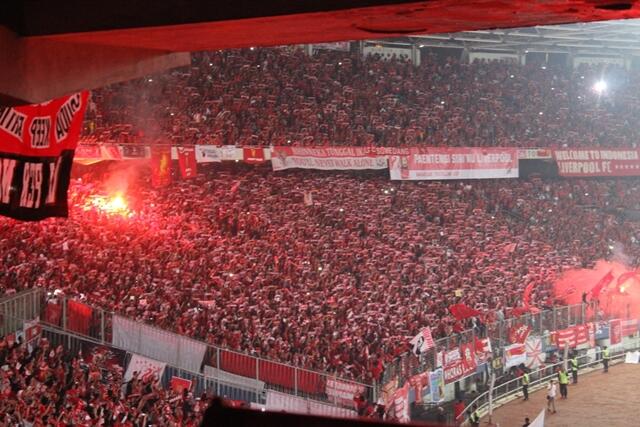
174, 349
144, 367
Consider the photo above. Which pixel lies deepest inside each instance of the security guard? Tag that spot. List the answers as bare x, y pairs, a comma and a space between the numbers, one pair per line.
474, 418
574, 368
605, 358
525, 385
563, 379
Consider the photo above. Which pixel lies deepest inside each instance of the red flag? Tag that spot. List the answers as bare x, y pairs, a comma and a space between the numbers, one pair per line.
178, 384
187, 162
526, 298
615, 331
604, 282
160, 165
253, 155
518, 334
461, 311
78, 317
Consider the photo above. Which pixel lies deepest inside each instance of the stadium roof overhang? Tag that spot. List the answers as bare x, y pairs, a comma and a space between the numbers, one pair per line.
48, 48
597, 38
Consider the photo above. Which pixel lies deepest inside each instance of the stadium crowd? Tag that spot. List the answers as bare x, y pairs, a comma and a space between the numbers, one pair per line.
328, 271
282, 96
45, 386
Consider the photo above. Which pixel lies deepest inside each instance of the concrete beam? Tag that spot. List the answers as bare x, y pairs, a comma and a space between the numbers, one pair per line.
36, 70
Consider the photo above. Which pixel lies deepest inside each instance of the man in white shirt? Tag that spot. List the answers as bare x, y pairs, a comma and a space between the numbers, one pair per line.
552, 390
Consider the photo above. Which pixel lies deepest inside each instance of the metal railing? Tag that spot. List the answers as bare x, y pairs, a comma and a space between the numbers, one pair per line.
75, 343
407, 364
506, 391
278, 376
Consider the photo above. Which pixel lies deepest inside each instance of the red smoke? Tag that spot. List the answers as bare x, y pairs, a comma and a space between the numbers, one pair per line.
621, 298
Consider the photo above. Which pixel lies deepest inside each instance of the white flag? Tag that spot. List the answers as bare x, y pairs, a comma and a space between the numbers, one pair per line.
422, 342
539, 421
145, 367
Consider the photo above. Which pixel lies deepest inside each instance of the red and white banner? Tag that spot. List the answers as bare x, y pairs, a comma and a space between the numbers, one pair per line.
160, 165
459, 363
253, 155
327, 158
629, 327
422, 342
455, 163
597, 162
420, 385
518, 334
571, 337
342, 391
515, 355
483, 349
32, 330
615, 331
144, 367
187, 162
401, 404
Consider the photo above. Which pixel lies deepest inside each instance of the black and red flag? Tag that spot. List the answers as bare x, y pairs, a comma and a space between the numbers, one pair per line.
37, 144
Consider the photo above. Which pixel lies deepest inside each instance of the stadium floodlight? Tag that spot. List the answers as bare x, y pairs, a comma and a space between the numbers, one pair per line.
600, 86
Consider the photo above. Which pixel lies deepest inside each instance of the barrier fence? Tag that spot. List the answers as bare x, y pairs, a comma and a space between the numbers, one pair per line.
254, 374
539, 378
542, 323
178, 351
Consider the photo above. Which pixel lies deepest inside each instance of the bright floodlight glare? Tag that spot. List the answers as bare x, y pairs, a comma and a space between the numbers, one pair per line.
600, 86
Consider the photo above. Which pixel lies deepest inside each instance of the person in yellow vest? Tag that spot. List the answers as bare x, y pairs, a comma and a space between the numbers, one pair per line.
525, 385
605, 359
563, 380
574, 368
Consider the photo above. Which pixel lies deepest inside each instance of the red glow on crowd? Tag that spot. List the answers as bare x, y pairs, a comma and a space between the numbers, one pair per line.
110, 205
616, 299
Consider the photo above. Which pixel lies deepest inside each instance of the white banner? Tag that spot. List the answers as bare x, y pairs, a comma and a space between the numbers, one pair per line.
632, 357
539, 421
514, 355
174, 349
279, 402
226, 377
208, 154
329, 158
144, 367
454, 163
342, 392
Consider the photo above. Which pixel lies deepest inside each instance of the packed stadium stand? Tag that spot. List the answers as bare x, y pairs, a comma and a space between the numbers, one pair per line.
283, 96
327, 271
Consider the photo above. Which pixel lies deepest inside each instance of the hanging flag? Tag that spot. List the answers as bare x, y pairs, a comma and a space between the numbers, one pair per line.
78, 317
603, 283
253, 155
515, 355
422, 342
37, 144
145, 367
187, 162
483, 349
615, 331
461, 311
535, 355
518, 334
160, 165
